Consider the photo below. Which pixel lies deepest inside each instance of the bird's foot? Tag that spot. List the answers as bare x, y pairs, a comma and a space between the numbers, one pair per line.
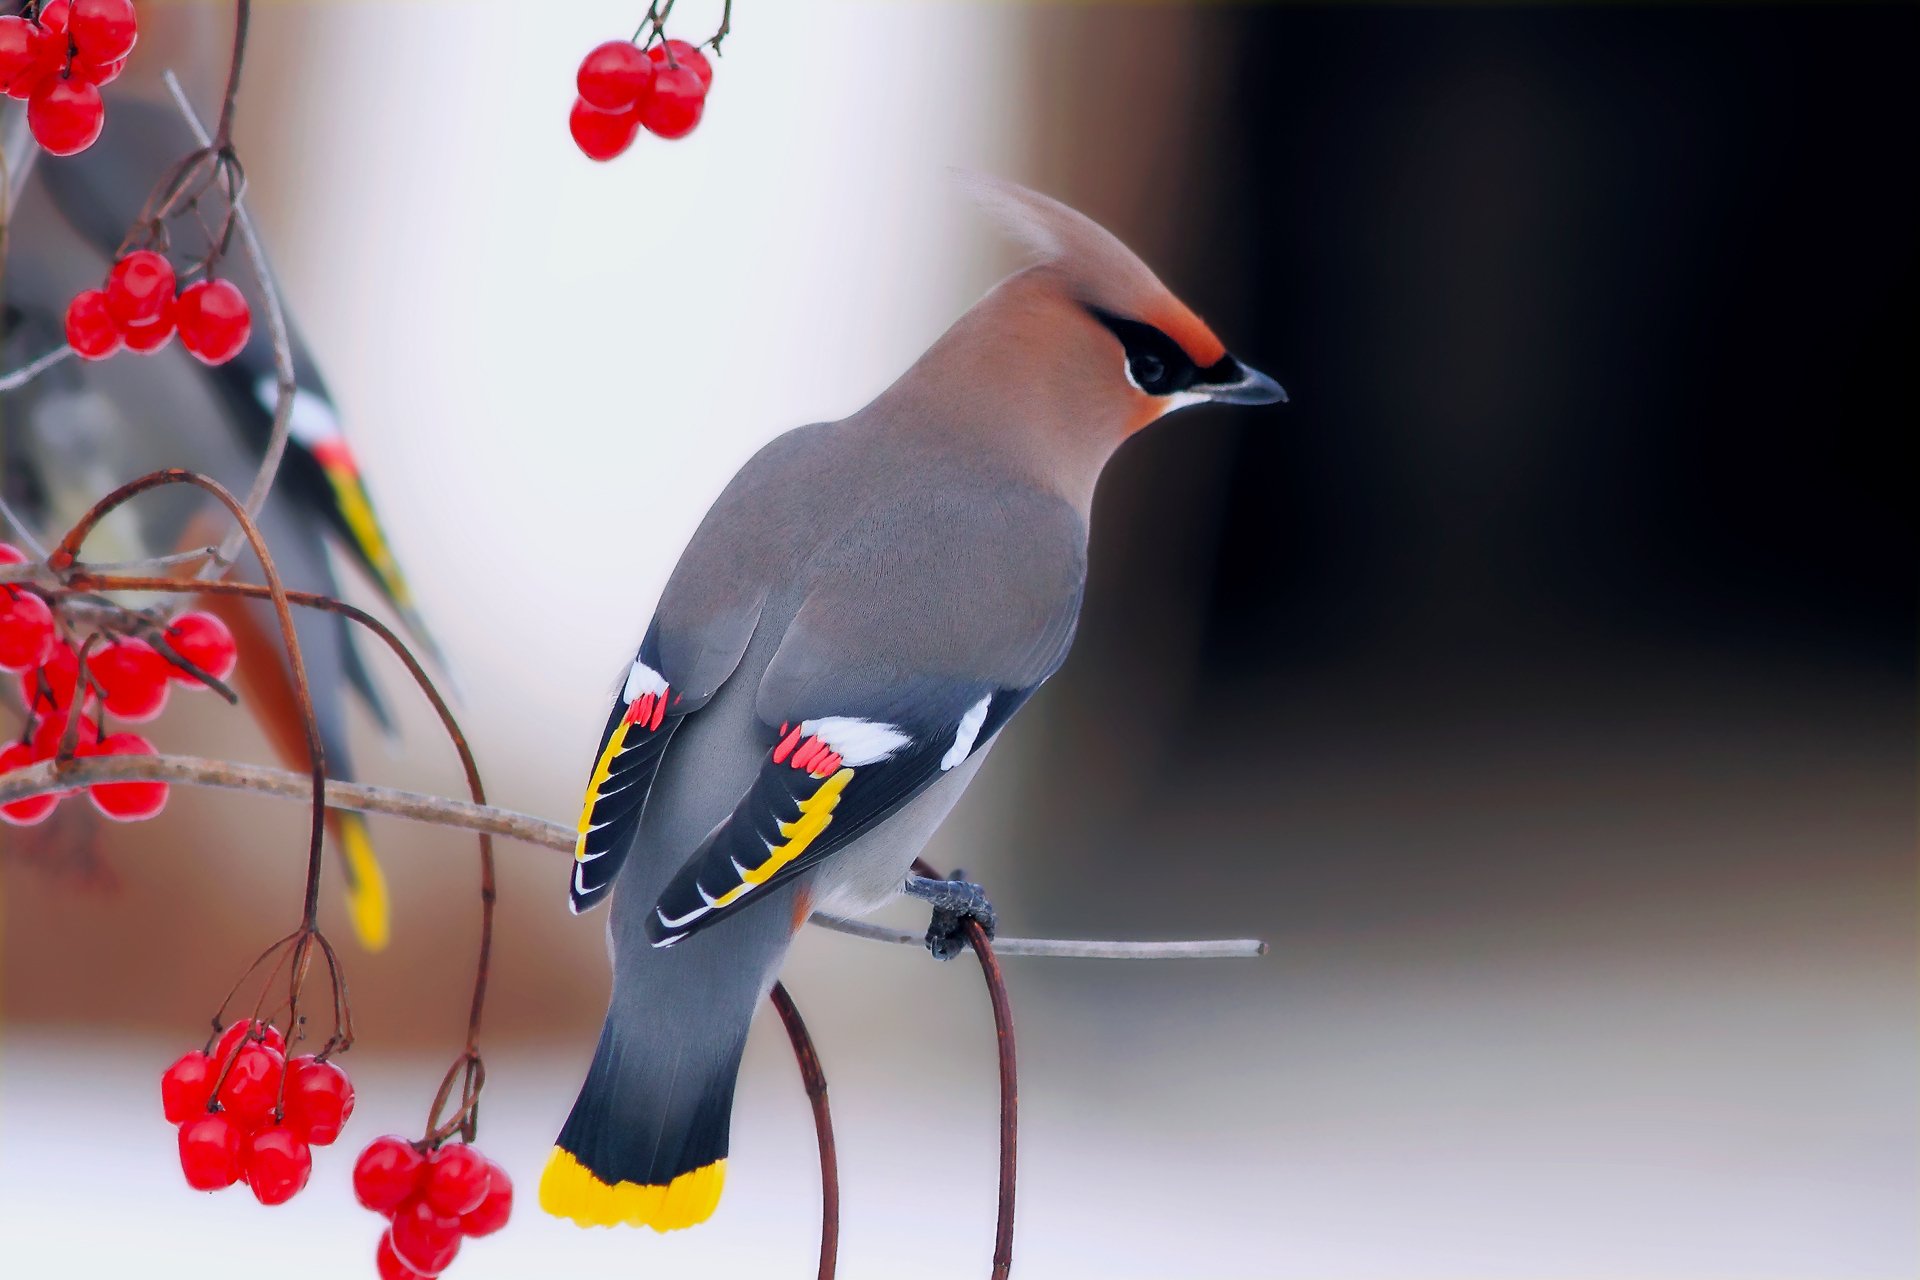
954, 902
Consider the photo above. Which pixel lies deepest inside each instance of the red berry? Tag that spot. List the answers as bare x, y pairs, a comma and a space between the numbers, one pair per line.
492, 1213
91, 331
102, 30
132, 677
203, 640
230, 1038
65, 115
52, 731
99, 74
33, 809
424, 1238
602, 135
186, 1086
214, 320
10, 554
145, 339
210, 1152
54, 15
614, 76
319, 1099
139, 288
389, 1264
252, 1087
684, 55
51, 687
26, 630
19, 56
277, 1164
127, 801
456, 1180
387, 1174
676, 103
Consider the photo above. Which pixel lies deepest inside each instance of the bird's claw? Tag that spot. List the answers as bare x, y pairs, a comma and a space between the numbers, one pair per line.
954, 902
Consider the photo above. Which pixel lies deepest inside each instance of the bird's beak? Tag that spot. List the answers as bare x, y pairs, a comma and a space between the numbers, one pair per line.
1251, 387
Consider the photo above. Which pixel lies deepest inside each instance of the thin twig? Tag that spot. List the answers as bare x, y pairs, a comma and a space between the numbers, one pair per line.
284, 385
441, 811
32, 369
815, 1078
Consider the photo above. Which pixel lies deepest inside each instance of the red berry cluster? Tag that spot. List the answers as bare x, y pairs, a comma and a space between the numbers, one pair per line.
433, 1201
245, 1112
138, 309
57, 63
125, 677
624, 89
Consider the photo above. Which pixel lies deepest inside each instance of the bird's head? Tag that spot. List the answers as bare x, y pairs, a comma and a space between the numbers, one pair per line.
1113, 332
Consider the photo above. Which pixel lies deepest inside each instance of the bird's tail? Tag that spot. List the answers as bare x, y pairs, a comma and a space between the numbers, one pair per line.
367, 905
646, 1143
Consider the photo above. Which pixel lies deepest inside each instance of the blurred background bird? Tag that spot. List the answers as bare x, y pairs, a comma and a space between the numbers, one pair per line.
81, 429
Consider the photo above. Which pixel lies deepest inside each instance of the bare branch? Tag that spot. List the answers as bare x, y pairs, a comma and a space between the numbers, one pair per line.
282, 352
32, 369
466, 816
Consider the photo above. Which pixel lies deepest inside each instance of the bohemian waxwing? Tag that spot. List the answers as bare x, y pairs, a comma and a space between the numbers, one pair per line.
81, 428
861, 612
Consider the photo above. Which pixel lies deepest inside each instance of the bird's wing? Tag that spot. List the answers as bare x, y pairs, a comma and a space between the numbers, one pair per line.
659, 690
907, 656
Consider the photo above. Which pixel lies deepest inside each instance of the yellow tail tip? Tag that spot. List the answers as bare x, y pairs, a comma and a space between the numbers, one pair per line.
568, 1189
367, 904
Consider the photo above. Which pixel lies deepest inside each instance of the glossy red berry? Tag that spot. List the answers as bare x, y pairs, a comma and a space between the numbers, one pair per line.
51, 687
214, 320
185, 1087
102, 30
319, 1099
676, 103
91, 331
388, 1264
230, 1038
210, 1152
10, 554
65, 115
127, 801
52, 731
145, 339
491, 1213
31, 810
54, 16
139, 288
276, 1164
424, 1238
26, 630
99, 74
687, 56
20, 69
132, 677
252, 1087
203, 640
614, 76
387, 1174
456, 1180
602, 135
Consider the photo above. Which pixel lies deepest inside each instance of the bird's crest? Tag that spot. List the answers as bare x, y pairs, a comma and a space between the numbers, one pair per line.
1091, 262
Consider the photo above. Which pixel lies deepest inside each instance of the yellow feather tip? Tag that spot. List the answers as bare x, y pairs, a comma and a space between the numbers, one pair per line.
568, 1189
366, 887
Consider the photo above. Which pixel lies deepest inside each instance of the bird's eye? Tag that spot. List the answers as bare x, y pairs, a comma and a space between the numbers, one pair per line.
1148, 371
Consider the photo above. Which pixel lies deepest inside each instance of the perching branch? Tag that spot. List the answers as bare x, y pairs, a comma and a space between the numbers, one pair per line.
465, 816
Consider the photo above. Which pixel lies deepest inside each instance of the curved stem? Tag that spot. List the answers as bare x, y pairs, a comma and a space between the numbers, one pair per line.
815, 1079
64, 555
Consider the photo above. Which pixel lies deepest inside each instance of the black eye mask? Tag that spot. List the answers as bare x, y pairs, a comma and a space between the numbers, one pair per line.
1157, 364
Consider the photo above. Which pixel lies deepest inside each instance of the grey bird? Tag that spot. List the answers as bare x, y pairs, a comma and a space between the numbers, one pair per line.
80, 429
859, 615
